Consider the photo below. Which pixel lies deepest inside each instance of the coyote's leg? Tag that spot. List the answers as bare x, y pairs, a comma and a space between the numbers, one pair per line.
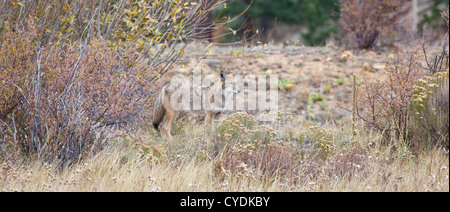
161, 128
216, 117
208, 118
170, 116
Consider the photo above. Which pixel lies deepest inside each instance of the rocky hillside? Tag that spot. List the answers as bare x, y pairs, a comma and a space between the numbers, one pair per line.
318, 76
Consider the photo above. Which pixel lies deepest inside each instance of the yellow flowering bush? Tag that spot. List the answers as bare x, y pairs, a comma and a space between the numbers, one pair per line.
320, 138
429, 107
242, 127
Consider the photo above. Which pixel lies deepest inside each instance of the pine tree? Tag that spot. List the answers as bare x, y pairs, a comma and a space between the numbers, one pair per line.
320, 18
316, 15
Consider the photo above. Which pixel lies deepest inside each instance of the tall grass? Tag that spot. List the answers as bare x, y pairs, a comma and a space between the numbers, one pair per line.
191, 164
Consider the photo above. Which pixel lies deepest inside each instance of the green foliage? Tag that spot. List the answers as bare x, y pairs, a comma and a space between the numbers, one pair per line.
320, 20
433, 17
285, 11
285, 84
312, 98
317, 16
340, 81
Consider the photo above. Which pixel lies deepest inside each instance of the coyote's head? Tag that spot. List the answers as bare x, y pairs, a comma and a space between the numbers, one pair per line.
230, 82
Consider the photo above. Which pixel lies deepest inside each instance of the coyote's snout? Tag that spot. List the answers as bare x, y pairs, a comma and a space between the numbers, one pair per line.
209, 101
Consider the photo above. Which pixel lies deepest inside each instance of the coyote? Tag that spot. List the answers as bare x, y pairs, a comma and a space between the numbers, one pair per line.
208, 101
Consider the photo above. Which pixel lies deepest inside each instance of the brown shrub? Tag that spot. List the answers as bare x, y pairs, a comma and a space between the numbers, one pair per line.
347, 164
56, 101
260, 161
155, 30
69, 70
402, 106
366, 20
386, 102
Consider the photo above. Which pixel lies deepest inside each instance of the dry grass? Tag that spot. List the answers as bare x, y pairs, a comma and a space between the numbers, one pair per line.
189, 163
238, 154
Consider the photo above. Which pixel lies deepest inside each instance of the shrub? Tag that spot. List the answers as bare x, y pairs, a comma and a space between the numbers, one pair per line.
348, 164
383, 105
153, 153
366, 20
64, 97
261, 161
429, 107
69, 71
319, 140
402, 106
16, 56
242, 127
252, 150
319, 16
149, 34
316, 15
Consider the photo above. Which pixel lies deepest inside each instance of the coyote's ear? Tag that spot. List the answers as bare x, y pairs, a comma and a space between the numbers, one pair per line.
222, 75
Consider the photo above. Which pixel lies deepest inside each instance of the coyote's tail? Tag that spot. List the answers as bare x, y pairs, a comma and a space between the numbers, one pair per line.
158, 110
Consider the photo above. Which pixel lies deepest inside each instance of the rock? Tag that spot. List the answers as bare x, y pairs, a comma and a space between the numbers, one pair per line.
371, 54
345, 55
339, 95
213, 64
325, 51
278, 65
379, 66
366, 67
264, 67
299, 64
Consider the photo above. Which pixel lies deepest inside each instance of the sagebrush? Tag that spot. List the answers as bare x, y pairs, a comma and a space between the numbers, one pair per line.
70, 70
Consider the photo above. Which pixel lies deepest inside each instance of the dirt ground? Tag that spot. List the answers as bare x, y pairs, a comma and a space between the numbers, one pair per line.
324, 71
